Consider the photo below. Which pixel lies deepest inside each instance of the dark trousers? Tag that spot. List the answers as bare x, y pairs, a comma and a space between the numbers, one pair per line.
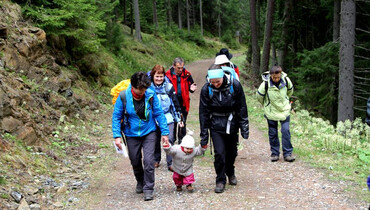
225, 148
274, 137
171, 139
182, 131
136, 147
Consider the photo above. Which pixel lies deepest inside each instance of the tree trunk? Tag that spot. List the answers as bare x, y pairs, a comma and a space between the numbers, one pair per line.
258, 13
201, 17
132, 18
137, 20
336, 20
267, 39
169, 13
155, 19
255, 47
188, 15
179, 8
288, 8
123, 5
273, 54
219, 19
346, 60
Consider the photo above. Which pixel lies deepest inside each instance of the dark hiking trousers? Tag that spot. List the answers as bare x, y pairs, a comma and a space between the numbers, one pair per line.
225, 148
274, 138
171, 139
136, 147
182, 131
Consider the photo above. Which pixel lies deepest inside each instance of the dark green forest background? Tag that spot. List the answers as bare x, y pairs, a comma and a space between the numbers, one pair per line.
304, 39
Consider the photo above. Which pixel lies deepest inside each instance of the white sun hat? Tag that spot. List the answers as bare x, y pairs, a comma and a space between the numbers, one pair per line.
221, 59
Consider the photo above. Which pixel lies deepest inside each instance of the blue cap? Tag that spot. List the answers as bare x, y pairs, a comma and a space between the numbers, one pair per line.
215, 73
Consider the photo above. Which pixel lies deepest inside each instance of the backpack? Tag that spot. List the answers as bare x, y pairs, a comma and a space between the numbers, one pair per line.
115, 91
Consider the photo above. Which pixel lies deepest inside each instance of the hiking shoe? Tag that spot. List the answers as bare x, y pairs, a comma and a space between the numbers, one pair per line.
156, 165
178, 188
274, 158
139, 187
219, 188
148, 196
170, 168
233, 180
190, 188
289, 158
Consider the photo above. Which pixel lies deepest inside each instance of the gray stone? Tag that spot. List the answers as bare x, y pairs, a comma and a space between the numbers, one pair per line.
10, 124
17, 196
30, 190
35, 206
23, 205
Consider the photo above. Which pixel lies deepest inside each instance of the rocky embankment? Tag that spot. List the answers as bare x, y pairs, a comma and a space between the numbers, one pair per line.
36, 96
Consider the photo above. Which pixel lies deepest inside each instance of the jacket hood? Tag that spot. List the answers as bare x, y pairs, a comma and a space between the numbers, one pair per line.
266, 75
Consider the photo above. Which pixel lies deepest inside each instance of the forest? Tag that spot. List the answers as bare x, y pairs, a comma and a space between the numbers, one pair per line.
59, 60
323, 45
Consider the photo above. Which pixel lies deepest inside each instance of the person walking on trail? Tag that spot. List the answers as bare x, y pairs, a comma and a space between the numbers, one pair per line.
225, 51
139, 109
171, 108
225, 63
183, 83
222, 112
273, 94
183, 158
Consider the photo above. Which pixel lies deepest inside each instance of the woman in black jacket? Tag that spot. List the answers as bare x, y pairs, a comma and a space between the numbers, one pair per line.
223, 111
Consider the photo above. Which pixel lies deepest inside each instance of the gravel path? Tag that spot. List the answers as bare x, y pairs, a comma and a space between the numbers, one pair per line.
261, 183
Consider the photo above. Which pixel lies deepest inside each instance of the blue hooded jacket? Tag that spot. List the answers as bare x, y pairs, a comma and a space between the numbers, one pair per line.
135, 126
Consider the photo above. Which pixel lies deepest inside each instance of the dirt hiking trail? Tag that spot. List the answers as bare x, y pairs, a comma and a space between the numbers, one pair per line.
261, 183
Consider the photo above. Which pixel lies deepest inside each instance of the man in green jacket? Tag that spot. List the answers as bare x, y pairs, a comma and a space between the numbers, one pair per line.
273, 94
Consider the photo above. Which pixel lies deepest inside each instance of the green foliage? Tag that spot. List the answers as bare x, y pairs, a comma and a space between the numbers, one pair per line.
316, 80
79, 21
230, 40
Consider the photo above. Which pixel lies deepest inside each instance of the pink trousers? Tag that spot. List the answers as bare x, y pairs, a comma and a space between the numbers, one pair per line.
183, 180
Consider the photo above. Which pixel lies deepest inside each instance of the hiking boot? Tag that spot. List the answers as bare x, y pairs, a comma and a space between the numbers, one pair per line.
139, 187
289, 158
190, 188
274, 158
148, 196
156, 165
170, 168
233, 180
219, 188
178, 188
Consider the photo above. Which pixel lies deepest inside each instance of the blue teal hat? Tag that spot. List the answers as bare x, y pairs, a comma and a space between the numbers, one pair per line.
215, 73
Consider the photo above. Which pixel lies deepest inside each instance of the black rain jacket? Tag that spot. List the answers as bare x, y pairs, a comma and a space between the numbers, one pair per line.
214, 111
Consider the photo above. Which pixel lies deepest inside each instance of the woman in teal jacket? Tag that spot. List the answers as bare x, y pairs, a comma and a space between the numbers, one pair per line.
139, 109
273, 94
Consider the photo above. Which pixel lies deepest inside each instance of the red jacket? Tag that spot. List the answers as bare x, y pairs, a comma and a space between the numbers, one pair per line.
186, 81
236, 68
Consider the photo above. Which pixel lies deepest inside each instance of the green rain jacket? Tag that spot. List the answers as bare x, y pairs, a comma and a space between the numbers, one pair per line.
276, 101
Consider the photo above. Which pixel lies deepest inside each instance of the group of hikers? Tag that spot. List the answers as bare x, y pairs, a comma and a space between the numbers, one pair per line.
151, 114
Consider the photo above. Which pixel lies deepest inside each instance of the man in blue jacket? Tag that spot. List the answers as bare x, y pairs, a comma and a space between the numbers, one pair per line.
138, 111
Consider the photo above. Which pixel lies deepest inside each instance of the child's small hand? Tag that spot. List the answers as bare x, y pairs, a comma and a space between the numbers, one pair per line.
204, 146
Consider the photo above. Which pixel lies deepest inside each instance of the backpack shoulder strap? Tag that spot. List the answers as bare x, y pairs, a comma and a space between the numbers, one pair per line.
266, 93
266, 86
122, 95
